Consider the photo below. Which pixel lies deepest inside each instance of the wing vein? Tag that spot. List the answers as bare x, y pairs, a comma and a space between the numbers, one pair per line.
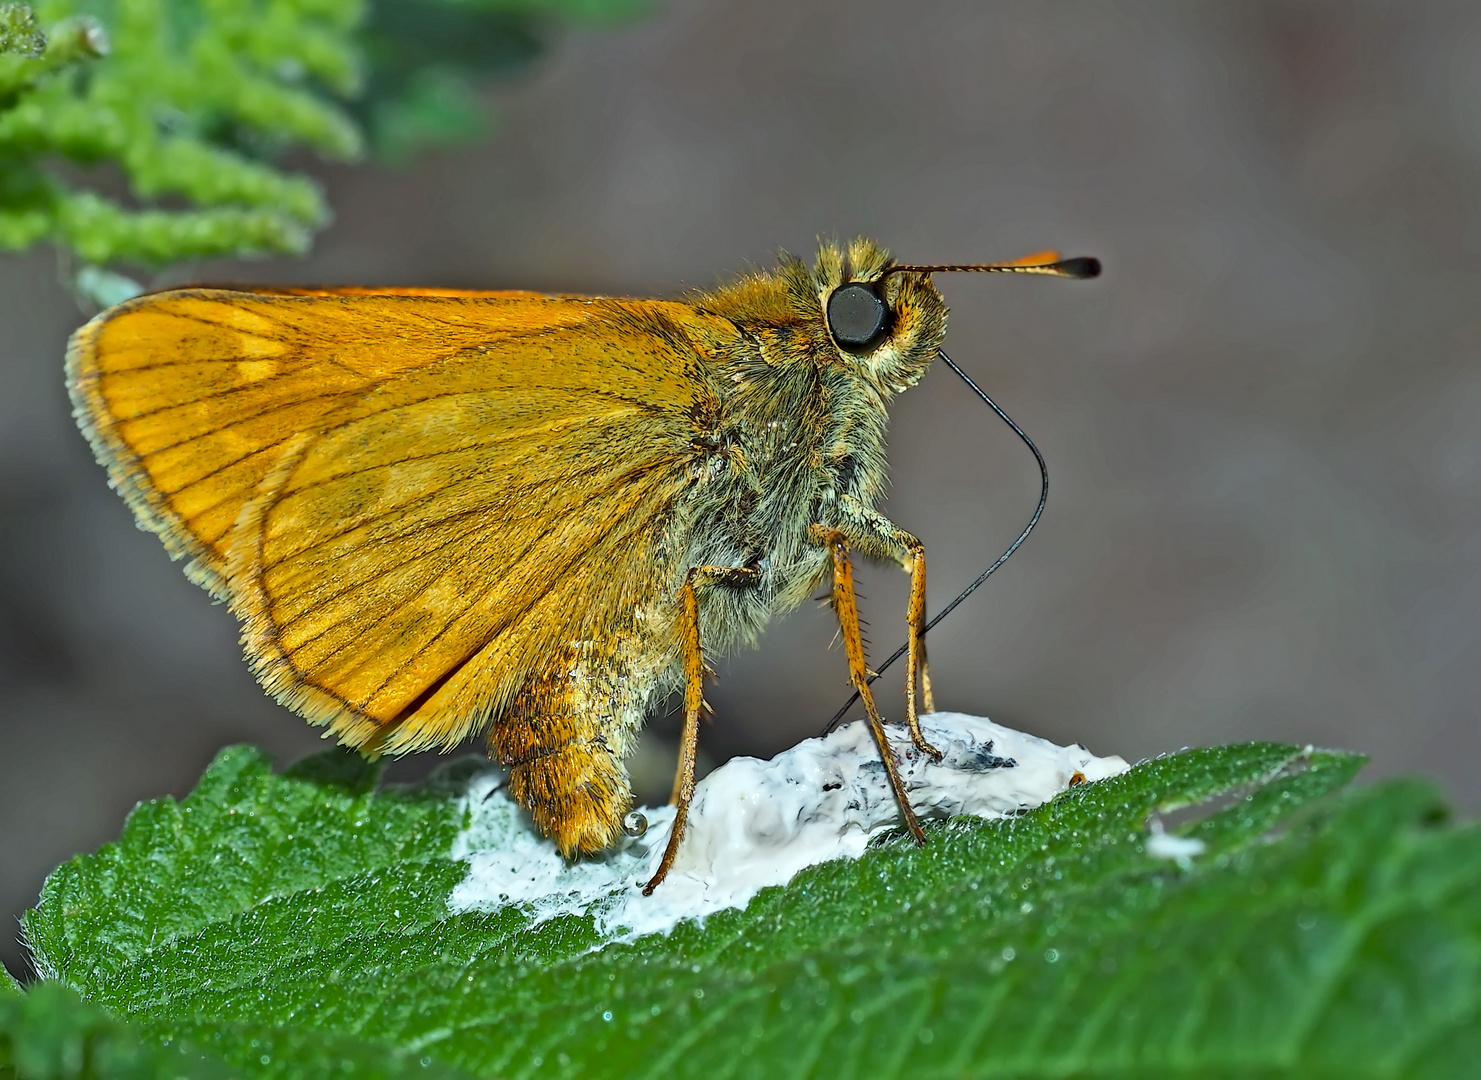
399, 511
554, 580
168, 492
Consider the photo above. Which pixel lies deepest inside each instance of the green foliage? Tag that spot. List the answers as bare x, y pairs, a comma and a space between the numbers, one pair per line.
242, 841
177, 103
428, 59
51, 1034
277, 919
19, 33
146, 131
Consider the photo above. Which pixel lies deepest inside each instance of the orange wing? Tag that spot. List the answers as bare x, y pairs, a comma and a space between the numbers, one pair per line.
411, 499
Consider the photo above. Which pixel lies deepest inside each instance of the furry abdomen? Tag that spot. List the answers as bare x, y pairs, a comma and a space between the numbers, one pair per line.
565, 735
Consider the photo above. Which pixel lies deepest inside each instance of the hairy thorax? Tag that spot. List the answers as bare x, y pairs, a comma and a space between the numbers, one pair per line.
786, 441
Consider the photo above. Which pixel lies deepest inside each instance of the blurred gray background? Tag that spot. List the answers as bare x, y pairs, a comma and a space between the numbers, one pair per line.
1261, 423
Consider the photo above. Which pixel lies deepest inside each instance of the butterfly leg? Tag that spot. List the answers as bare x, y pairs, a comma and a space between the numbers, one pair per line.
694, 670
915, 659
847, 608
876, 536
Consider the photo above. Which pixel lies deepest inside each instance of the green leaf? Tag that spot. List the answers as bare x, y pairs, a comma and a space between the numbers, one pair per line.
1319, 932
245, 841
51, 1033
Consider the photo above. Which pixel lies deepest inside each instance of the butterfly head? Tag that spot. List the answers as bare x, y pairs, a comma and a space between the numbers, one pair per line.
857, 307
886, 324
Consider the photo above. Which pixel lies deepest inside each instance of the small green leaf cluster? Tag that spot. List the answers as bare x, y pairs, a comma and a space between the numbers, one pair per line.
295, 924
19, 33
148, 131
141, 130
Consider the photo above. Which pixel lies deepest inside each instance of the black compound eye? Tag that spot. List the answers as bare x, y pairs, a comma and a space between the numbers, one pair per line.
857, 316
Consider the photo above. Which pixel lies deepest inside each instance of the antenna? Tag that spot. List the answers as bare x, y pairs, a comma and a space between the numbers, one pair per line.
1046, 263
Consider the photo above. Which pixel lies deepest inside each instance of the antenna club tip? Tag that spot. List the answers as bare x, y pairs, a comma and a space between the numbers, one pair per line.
1084, 267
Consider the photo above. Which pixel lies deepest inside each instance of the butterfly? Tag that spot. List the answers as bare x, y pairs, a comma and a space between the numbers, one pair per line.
439, 513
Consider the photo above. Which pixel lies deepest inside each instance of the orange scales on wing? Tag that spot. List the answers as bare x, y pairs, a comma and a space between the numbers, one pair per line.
413, 500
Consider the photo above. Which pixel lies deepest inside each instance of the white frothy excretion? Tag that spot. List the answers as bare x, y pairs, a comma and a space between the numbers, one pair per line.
756, 823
